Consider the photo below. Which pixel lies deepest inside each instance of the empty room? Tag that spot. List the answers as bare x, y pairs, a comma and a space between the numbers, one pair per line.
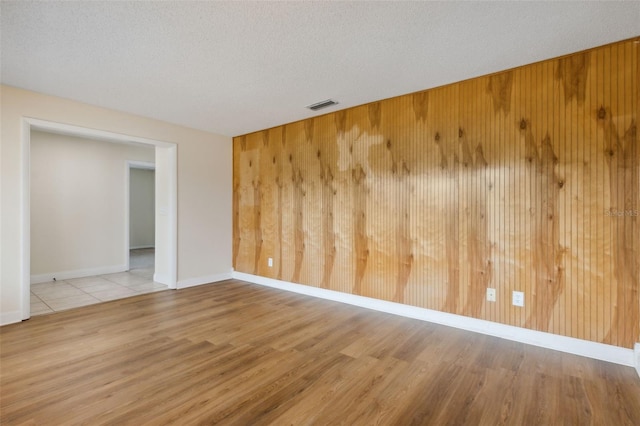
319, 213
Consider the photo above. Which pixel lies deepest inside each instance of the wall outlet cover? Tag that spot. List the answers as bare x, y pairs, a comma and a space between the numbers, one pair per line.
270, 262
491, 294
518, 298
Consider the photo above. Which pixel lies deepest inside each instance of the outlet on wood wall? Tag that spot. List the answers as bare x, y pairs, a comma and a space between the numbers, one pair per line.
524, 180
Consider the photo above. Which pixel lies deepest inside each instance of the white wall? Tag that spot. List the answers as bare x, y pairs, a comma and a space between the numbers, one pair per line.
78, 189
162, 258
142, 208
204, 185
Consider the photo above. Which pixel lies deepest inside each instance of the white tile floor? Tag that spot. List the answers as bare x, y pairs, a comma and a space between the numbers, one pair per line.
60, 295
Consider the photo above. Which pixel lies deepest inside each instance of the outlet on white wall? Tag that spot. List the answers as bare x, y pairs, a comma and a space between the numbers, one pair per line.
270, 262
518, 298
491, 294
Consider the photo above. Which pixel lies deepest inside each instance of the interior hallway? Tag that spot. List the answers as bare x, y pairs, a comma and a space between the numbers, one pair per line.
60, 295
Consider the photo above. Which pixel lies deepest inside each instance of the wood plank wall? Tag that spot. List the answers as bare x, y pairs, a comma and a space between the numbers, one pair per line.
525, 180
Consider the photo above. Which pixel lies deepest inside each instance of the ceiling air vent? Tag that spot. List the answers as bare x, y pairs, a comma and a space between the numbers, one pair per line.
322, 104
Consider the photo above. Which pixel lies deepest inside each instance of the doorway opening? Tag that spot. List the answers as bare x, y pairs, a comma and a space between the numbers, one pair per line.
165, 216
140, 188
141, 211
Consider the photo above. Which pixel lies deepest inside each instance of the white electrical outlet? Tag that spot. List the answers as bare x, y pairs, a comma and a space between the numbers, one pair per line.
270, 262
491, 294
518, 298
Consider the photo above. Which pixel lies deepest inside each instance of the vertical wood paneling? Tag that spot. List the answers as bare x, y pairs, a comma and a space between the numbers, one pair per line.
525, 180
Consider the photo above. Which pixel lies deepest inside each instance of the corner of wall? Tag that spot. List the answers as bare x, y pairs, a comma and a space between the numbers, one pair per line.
636, 354
162, 278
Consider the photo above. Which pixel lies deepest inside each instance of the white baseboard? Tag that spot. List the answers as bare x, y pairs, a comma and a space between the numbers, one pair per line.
636, 352
78, 273
10, 317
192, 282
142, 247
556, 342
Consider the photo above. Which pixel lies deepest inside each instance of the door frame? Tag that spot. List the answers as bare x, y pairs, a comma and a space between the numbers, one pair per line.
169, 210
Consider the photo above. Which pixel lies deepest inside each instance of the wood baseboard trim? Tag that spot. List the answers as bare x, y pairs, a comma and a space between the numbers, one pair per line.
595, 350
78, 273
208, 279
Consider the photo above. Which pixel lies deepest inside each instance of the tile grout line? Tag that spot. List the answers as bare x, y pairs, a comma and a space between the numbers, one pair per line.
134, 291
45, 303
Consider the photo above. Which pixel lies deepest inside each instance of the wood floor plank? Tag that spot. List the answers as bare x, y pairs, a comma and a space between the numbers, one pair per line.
237, 353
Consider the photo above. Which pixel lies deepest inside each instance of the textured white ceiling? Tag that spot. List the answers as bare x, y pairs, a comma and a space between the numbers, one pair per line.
237, 67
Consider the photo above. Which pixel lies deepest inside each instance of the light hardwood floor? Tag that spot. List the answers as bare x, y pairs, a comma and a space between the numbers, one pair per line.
237, 353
